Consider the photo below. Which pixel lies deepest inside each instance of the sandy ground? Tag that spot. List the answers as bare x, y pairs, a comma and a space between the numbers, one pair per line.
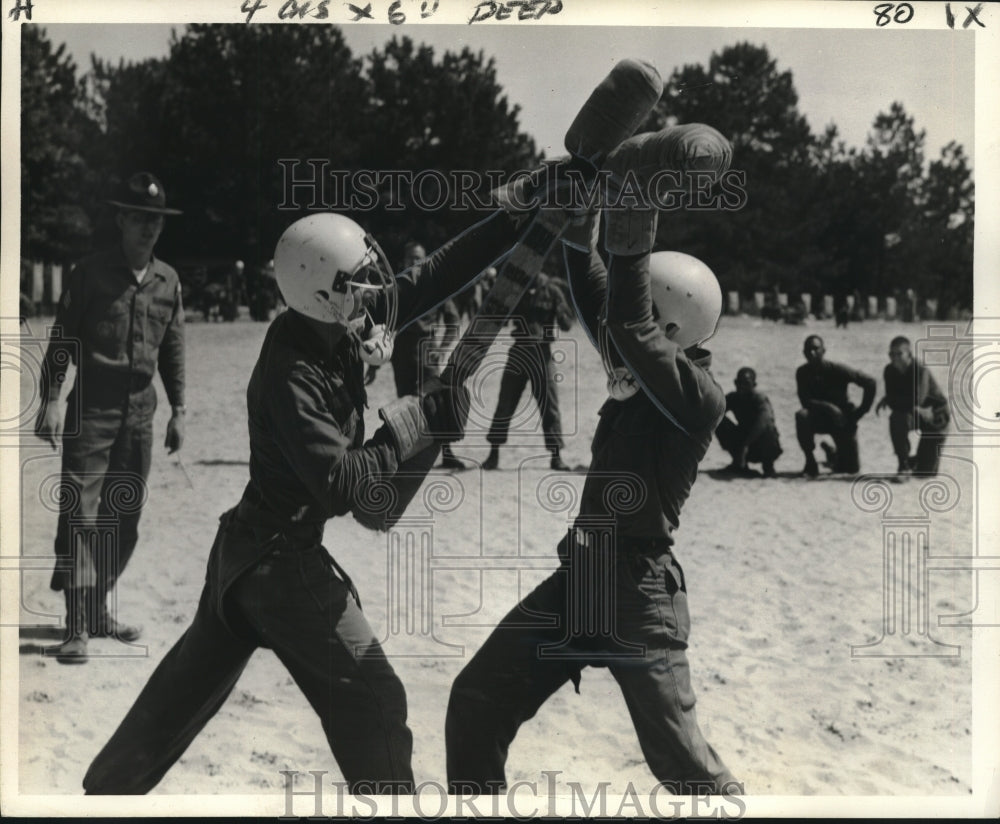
784, 576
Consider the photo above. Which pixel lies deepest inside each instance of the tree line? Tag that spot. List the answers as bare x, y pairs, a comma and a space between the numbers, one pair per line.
215, 117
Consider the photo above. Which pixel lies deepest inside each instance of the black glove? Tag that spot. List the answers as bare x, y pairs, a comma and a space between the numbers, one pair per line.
446, 409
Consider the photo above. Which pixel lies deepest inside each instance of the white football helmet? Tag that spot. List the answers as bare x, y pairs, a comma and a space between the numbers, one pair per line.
686, 295
330, 269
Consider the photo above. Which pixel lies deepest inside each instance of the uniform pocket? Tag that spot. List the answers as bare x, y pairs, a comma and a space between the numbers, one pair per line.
157, 320
674, 578
108, 330
654, 596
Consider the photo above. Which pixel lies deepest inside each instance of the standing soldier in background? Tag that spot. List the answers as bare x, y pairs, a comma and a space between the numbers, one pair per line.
529, 359
122, 307
411, 343
842, 315
263, 297
407, 370
235, 292
916, 402
469, 300
822, 387
253, 277
450, 319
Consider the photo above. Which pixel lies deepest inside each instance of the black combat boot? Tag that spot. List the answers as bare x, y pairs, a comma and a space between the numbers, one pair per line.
100, 623
449, 460
811, 470
493, 461
74, 649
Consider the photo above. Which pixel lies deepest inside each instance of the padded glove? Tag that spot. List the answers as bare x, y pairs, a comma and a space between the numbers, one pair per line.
446, 409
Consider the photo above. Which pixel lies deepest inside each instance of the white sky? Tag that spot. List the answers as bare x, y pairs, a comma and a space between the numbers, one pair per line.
842, 76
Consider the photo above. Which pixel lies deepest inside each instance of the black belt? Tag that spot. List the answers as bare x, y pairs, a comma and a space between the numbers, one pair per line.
291, 537
644, 546
297, 536
103, 382
651, 545
137, 382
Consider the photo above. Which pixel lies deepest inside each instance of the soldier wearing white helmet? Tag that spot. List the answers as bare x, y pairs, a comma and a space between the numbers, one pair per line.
270, 582
619, 596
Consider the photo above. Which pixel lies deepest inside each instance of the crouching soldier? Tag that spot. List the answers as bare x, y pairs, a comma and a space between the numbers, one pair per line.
753, 438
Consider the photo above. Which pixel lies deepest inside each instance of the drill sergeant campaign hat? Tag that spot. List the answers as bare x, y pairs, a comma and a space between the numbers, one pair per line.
143, 192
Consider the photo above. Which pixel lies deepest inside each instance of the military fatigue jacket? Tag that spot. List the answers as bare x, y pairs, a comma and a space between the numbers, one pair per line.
645, 452
117, 331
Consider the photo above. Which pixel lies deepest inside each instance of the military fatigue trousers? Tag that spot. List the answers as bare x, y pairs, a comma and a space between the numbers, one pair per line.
809, 423
107, 452
625, 610
528, 362
766, 447
293, 601
928, 456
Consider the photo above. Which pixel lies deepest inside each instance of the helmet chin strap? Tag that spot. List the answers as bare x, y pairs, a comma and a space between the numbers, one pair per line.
375, 346
377, 349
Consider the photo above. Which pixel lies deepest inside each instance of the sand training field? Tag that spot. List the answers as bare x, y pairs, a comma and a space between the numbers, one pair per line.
784, 576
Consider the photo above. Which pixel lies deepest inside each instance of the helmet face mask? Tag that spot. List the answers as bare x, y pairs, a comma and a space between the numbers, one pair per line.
354, 296
329, 269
